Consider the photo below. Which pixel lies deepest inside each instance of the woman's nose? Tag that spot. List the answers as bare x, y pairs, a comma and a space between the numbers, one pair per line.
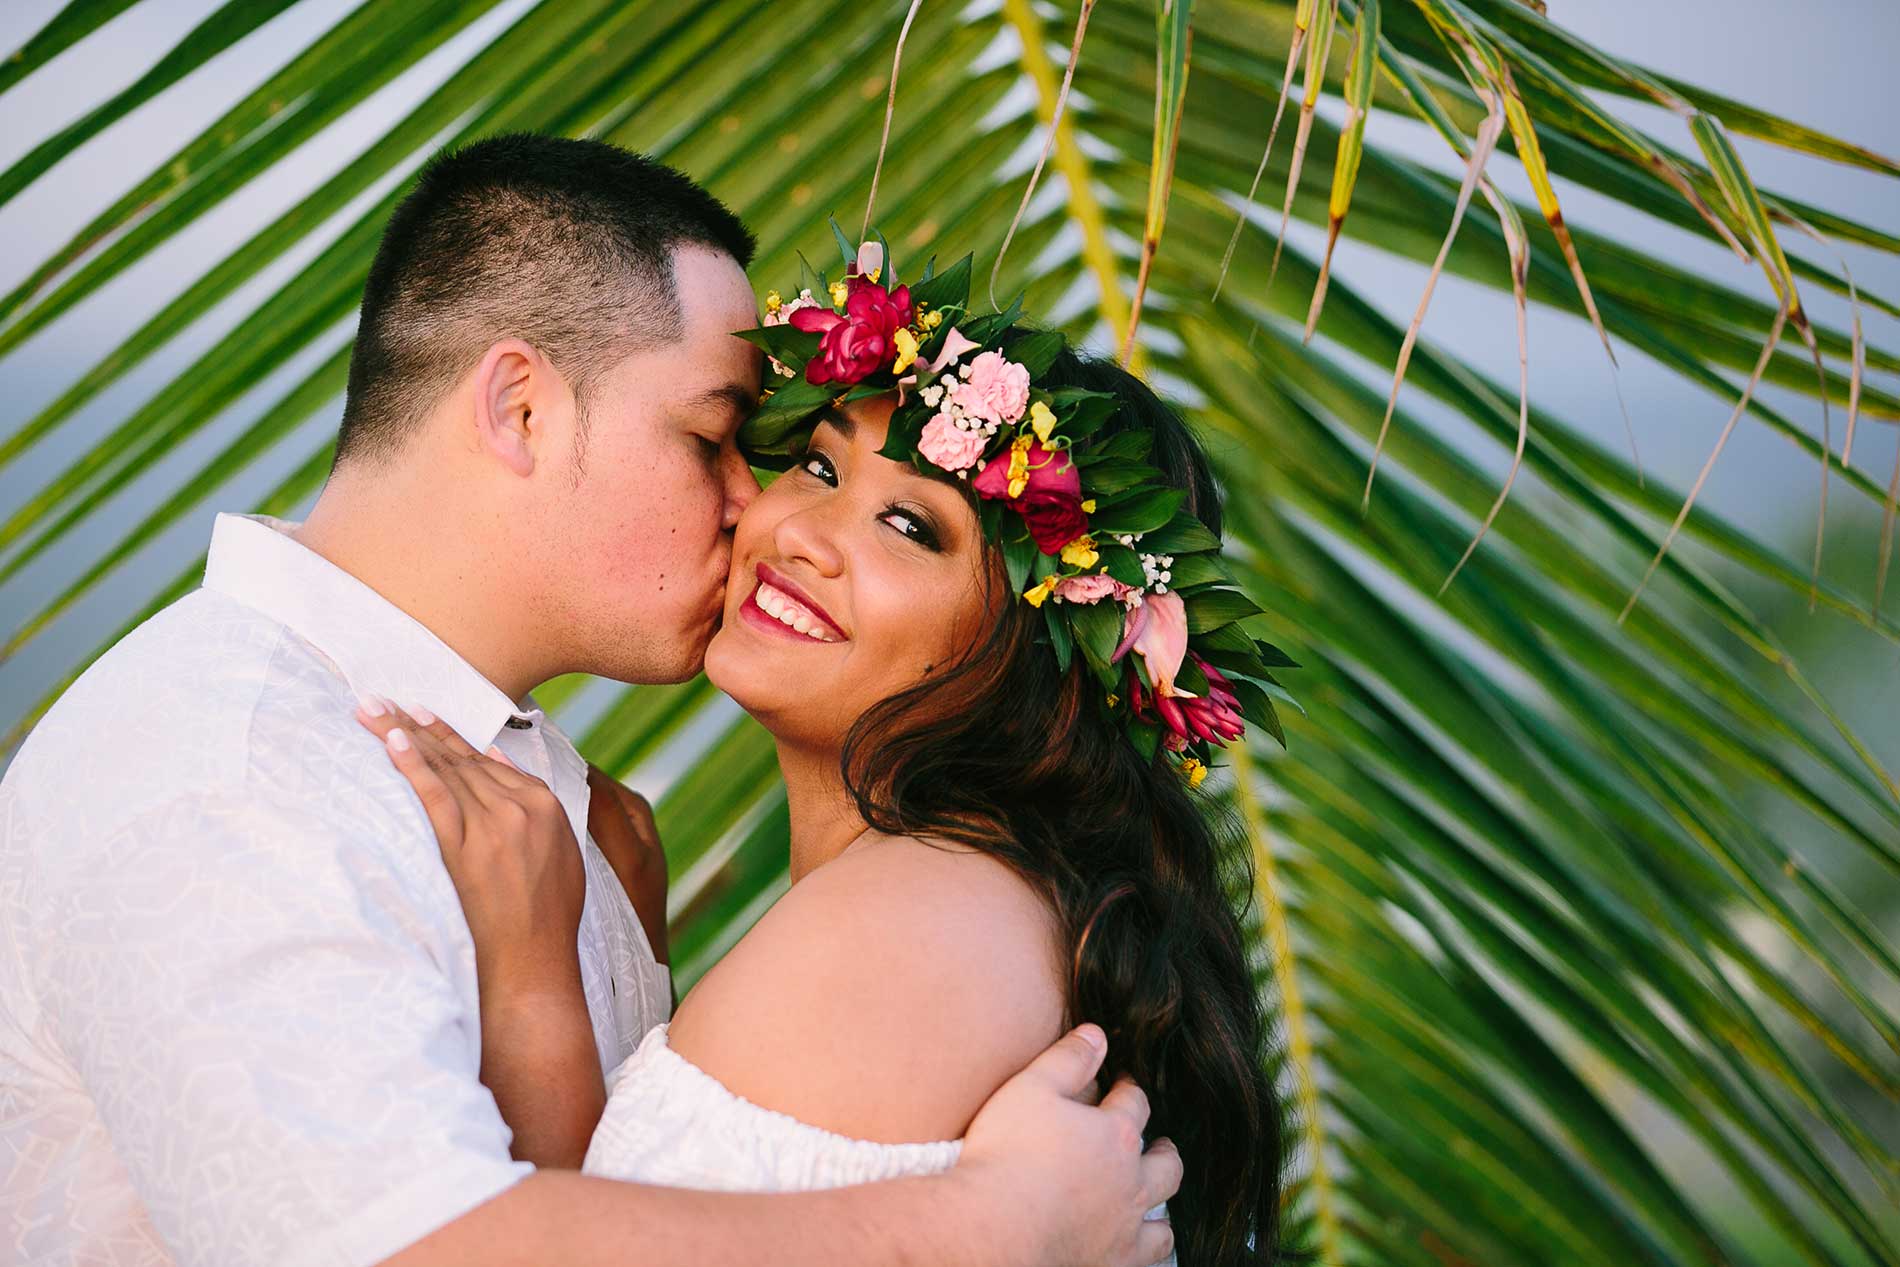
811, 534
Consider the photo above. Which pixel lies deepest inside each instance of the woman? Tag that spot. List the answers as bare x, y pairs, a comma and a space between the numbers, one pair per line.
994, 833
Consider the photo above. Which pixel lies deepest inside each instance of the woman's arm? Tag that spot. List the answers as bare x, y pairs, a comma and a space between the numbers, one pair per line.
540, 1062
621, 823
517, 869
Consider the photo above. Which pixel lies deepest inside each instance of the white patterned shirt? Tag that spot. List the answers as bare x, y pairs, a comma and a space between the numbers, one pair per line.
238, 1012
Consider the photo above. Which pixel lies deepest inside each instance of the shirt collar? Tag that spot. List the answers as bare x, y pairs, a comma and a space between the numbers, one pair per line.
378, 648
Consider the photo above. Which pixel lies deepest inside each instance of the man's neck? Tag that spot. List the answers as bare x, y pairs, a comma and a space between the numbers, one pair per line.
444, 577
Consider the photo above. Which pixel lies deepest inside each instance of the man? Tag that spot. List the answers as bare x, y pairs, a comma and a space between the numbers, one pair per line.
238, 1017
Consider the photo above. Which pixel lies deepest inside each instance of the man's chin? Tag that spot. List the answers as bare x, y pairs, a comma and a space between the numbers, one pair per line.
688, 658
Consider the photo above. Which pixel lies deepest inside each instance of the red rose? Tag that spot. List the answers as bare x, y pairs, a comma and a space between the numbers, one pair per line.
1053, 520
859, 343
1051, 498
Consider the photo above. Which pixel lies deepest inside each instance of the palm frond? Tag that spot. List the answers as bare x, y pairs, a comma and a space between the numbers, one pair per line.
1559, 983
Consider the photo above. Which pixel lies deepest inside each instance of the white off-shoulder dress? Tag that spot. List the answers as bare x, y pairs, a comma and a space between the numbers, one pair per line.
669, 1122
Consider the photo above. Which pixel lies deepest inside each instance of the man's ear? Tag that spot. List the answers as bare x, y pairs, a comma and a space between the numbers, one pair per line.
512, 382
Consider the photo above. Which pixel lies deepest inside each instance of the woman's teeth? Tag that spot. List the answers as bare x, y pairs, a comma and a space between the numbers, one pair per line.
788, 611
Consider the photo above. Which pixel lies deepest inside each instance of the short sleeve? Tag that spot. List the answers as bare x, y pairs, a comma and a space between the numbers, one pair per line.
277, 1024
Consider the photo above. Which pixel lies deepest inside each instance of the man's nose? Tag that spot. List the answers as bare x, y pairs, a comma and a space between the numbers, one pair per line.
741, 487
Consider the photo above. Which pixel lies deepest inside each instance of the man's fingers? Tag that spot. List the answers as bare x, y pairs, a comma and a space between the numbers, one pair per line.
1154, 1242
1127, 1098
1160, 1172
1069, 1065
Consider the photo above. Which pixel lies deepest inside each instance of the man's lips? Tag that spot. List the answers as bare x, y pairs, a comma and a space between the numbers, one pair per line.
783, 602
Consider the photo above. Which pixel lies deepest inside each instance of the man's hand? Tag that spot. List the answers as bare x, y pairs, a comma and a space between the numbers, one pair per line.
1068, 1175
621, 823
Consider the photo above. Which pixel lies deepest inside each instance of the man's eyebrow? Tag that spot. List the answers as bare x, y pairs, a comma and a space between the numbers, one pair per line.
734, 395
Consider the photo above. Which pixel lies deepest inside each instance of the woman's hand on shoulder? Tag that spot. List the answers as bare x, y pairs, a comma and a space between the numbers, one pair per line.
506, 843
517, 869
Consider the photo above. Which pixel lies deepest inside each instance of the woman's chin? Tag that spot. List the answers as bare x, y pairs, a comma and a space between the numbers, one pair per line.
718, 659
739, 666
777, 690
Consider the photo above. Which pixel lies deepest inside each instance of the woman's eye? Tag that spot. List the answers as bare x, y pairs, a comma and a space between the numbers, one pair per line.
819, 465
912, 526
709, 446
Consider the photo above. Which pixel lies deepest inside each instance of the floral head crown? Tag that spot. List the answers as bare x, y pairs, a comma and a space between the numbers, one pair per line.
1079, 518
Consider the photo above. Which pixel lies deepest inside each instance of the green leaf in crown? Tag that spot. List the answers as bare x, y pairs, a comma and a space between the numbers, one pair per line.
1091, 533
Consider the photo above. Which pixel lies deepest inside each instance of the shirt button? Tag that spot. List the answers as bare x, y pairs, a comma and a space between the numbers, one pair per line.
520, 723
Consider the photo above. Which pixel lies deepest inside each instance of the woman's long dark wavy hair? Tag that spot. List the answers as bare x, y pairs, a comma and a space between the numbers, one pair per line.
1004, 753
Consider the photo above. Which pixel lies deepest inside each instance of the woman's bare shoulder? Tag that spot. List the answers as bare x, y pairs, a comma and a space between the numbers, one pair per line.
886, 995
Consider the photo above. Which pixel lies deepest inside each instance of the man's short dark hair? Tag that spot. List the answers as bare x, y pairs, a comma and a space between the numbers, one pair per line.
567, 244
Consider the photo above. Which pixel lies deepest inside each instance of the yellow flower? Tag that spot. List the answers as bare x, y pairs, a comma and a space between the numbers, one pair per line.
1018, 466
1088, 507
932, 320
873, 275
1194, 770
1113, 699
906, 350
772, 301
1042, 421
1040, 590
1080, 552
838, 295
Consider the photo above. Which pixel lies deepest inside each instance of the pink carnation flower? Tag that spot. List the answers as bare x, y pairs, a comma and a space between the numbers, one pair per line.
950, 446
997, 389
1091, 589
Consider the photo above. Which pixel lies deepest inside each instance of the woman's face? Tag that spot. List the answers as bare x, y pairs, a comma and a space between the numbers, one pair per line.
853, 577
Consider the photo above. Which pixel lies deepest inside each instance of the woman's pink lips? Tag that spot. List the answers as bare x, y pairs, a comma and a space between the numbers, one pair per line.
779, 583
750, 613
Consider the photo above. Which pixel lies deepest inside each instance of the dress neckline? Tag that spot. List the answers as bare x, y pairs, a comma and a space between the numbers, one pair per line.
662, 1051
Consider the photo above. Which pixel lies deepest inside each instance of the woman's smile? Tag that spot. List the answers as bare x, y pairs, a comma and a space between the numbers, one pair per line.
778, 606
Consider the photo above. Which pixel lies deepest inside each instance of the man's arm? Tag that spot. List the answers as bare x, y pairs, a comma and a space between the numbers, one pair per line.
1045, 1180
277, 1034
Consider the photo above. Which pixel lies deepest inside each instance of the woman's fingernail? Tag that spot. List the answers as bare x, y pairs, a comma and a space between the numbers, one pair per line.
422, 715
371, 704
398, 740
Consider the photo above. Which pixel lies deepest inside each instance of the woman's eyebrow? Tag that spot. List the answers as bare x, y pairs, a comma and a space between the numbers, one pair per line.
846, 426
